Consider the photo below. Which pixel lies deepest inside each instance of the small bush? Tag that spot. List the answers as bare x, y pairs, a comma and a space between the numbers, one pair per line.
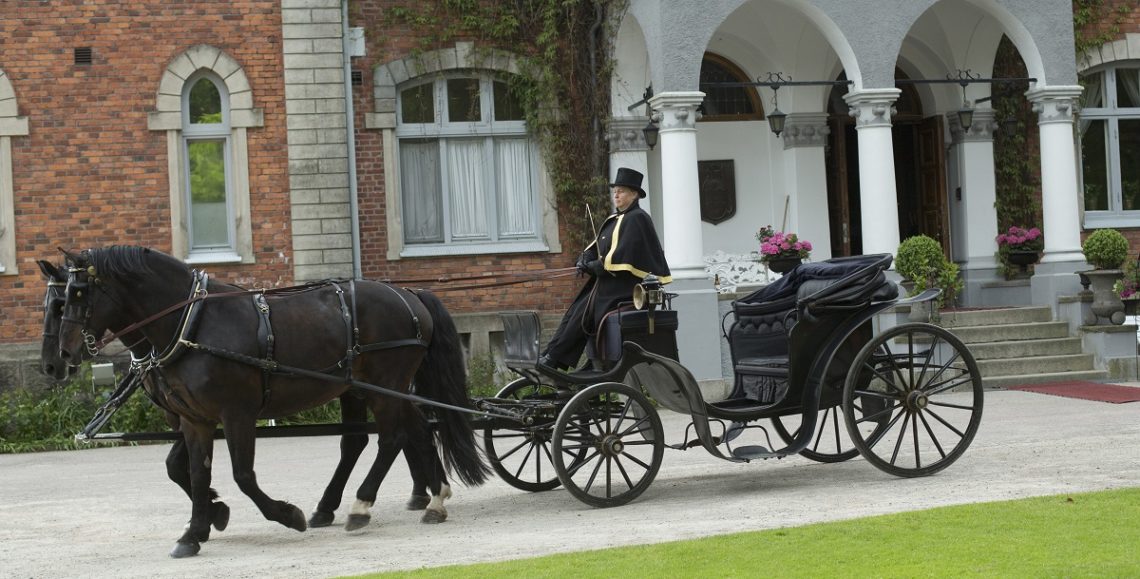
920, 260
1105, 249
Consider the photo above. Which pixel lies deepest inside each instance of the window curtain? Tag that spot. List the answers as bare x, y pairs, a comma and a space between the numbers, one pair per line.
512, 165
1128, 83
419, 177
1094, 94
465, 167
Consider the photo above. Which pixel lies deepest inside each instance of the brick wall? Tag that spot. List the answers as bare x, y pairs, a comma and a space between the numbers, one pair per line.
90, 173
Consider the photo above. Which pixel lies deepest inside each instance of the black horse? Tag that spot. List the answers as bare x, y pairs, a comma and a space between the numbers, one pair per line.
352, 406
218, 366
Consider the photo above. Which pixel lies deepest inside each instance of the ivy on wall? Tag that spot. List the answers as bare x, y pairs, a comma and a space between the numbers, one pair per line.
1096, 22
566, 60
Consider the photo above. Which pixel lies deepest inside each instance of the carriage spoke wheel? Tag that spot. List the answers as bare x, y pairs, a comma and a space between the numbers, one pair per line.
523, 457
830, 443
913, 400
621, 434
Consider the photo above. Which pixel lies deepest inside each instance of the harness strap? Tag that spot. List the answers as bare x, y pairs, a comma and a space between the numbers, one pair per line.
350, 343
265, 341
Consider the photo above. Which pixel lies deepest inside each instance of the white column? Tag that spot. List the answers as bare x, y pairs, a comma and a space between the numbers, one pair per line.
628, 149
975, 209
1059, 194
973, 218
805, 136
1060, 207
680, 187
878, 198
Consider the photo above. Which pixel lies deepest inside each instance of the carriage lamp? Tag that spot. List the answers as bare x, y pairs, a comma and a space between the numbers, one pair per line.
648, 293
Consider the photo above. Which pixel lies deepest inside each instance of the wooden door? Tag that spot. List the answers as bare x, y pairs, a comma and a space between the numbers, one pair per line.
838, 195
933, 203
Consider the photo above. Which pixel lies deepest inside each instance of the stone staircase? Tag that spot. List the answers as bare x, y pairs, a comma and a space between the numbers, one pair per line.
1021, 345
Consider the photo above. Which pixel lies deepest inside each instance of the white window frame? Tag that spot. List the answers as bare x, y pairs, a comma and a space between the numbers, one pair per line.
170, 115
209, 132
487, 129
11, 125
1112, 114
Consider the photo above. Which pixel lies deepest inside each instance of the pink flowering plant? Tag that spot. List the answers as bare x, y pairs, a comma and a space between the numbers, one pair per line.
779, 245
1021, 239
1128, 286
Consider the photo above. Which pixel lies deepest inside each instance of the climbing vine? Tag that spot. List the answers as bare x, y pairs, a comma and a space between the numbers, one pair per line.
1096, 22
563, 83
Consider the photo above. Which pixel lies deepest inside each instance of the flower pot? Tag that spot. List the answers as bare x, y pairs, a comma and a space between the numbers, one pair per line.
1131, 306
1023, 258
1106, 303
782, 265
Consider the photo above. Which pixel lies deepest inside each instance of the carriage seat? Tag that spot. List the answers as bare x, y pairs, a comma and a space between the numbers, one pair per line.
624, 324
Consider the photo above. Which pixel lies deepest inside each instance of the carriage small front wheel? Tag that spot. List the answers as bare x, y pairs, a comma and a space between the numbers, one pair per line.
924, 383
523, 456
624, 442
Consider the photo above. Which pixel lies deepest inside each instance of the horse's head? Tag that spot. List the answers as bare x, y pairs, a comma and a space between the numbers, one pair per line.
86, 308
51, 363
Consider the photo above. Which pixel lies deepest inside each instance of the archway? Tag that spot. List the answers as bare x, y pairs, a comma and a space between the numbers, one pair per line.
920, 171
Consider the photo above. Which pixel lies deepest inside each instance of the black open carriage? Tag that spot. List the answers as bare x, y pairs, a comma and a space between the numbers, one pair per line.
806, 355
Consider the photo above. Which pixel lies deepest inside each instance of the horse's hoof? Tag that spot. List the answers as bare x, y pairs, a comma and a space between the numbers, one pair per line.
297, 520
433, 517
320, 519
183, 550
221, 516
418, 502
356, 522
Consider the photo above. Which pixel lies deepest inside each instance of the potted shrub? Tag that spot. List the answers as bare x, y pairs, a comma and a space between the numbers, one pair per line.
1105, 250
780, 251
921, 261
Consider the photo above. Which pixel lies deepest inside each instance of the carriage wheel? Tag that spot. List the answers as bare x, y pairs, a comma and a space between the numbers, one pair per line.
522, 456
621, 433
928, 390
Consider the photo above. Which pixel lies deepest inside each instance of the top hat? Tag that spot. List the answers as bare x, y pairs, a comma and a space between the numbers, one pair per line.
627, 177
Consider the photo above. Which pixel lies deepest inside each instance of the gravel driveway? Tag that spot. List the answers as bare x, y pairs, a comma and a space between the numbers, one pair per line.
112, 512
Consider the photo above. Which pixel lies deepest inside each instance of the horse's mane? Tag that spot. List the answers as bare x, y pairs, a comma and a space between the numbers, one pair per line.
125, 262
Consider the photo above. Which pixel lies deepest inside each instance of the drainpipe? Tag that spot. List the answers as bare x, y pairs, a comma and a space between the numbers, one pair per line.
350, 127
596, 127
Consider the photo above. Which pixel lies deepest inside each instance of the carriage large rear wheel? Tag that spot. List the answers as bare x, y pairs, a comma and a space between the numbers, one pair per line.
522, 456
830, 443
929, 392
620, 432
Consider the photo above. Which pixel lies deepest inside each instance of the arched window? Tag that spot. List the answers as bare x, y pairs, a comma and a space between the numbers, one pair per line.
725, 103
468, 169
205, 107
205, 147
11, 125
1110, 145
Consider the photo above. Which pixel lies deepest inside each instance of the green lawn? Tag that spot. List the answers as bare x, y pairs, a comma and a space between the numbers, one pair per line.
1078, 535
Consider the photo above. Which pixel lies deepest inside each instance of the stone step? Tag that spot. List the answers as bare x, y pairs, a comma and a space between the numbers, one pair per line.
1036, 365
1025, 348
1029, 331
996, 316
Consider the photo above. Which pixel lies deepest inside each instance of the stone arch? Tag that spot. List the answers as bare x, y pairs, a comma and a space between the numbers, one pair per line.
1126, 48
167, 113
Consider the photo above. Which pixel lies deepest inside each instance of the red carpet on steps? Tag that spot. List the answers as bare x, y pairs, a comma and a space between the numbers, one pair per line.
1113, 393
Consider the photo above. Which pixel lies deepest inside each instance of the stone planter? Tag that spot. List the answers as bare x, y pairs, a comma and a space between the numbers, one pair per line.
1106, 304
1023, 258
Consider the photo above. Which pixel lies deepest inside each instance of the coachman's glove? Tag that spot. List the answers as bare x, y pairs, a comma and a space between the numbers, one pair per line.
581, 264
596, 268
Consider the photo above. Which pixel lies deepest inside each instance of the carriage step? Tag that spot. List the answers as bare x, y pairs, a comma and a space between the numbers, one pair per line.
753, 452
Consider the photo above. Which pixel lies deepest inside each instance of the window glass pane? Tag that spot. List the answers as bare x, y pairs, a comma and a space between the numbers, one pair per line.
1094, 147
205, 103
516, 201
465, 172
1093, 95
419, 179
1130, 163
209, 220
1128, 87
463, 100
722, 100
507, 107
417, 104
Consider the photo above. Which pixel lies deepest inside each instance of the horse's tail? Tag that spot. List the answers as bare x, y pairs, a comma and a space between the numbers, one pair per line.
441, 377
